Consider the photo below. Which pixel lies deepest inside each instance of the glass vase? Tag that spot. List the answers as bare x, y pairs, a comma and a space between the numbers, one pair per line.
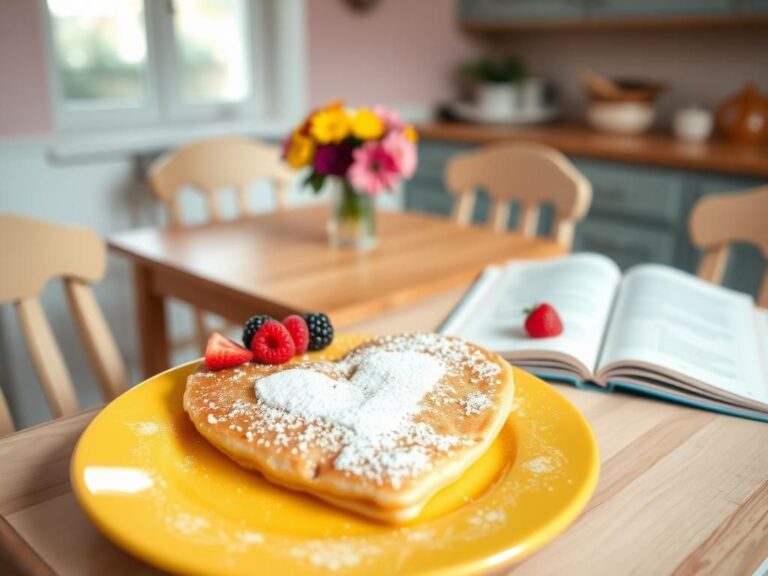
352, 223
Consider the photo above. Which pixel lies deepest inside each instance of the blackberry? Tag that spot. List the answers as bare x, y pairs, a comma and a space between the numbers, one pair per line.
252, 326
320, 330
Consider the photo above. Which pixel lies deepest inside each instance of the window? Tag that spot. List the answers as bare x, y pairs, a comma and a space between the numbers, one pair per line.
140, 62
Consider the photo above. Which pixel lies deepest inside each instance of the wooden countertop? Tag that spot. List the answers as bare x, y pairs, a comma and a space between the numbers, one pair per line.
579, 140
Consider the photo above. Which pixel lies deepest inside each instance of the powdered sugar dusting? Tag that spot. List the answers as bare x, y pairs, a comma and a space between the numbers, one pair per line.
484, 517
475, 403
186, 523
248, 537
539, 465
145, 428
334, 555
384, 390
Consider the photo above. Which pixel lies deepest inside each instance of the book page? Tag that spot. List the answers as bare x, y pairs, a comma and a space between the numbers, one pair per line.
580, 287
680, 323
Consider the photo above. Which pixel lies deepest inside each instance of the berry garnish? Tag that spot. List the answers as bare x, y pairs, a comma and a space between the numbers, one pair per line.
252, 326
221, 352
272, 344
297, 328
543, 322
320, 330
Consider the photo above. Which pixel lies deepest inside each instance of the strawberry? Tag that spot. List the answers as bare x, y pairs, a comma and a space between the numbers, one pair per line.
221, 352
543, 322
272, 344
297, 328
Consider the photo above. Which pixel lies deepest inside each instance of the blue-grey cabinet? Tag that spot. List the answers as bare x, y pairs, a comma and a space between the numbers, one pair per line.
660, 8
756, 6
576, 11
638, 213
512, 10
626, 244
651, 195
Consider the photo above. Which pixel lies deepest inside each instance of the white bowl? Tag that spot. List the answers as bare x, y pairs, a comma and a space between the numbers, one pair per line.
693, 124
621, 117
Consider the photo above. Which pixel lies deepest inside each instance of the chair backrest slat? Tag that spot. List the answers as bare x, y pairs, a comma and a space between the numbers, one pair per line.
564, 231
464, 207
47, 358
762, 296
6, 421
214, 164
97, 338
40, 253
719, 220
531, 174
529, 221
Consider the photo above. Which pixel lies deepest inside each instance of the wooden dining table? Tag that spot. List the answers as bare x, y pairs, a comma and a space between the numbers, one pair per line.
681, 491
280, 263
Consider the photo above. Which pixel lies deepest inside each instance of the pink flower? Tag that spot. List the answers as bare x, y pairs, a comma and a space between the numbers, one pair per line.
373, 169
392, 120
403, 151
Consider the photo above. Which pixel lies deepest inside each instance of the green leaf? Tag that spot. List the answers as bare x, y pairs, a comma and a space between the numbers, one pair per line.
315, 181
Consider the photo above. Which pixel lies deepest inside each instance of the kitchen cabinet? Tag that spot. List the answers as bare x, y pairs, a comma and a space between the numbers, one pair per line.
757, 6
500, 15
626, 244
500, 10
660, 8
639, 213
648, 194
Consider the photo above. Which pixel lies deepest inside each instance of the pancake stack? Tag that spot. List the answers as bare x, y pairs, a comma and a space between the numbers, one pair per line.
377, 429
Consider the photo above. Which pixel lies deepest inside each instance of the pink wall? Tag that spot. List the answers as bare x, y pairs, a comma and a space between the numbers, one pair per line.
404, 52
400, 52
24, 94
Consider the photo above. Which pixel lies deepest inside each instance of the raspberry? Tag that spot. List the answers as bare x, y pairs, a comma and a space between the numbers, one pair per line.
272, 344
320, 330
252, 326
297, 328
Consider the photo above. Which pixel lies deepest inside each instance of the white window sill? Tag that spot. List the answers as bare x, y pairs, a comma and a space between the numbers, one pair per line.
86, 146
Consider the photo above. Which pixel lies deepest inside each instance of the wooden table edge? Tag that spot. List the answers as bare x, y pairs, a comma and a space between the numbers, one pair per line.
22, 558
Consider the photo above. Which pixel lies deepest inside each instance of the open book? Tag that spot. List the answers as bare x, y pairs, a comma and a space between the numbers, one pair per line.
656, 331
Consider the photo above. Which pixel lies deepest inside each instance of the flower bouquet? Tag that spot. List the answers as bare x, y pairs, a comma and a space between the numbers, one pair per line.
358, 154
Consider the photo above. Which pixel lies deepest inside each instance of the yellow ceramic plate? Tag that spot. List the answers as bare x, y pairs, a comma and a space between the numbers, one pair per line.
155, 487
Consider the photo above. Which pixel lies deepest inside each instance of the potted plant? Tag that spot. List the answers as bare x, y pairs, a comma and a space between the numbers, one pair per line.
496, 84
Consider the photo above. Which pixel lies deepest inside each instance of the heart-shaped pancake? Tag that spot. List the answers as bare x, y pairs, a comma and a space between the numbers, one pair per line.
376, 428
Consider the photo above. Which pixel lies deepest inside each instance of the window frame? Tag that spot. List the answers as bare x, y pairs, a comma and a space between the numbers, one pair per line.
276, 69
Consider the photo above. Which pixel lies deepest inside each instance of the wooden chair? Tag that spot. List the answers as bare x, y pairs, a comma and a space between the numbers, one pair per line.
719, 220
531, 174
34, 253
209, 166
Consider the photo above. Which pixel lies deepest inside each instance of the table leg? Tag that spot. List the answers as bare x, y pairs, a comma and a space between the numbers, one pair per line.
153, 331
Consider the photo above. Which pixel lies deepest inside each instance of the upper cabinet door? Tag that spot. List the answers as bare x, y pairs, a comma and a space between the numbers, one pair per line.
661, 8
521, 10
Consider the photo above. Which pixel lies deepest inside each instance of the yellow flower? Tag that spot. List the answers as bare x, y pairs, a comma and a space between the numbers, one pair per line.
410, 133
366, 125
330, 125
300, 151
